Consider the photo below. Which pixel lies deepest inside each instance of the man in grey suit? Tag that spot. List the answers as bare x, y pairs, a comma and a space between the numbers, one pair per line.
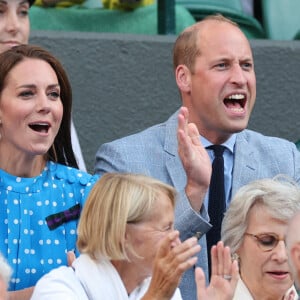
214, 72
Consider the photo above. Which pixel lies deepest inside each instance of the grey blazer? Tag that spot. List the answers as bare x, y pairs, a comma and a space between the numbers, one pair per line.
154, 152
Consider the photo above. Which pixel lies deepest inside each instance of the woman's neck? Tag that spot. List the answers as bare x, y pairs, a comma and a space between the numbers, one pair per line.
23, 166
130, 275
261, 294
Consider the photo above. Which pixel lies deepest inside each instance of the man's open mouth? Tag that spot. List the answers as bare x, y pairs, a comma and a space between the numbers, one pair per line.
236, 102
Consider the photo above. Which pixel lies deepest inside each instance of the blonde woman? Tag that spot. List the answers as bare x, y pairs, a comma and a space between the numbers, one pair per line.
129, 248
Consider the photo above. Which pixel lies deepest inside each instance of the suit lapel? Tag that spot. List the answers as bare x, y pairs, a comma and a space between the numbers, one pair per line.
245, 166
173, 163
245, 158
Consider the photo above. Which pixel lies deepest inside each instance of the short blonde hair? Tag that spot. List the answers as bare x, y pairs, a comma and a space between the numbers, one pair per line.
115, 200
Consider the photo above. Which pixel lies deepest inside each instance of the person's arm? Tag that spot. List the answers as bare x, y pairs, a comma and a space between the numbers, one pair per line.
70, 258
24, 294
171, 261
224, 278
188, 221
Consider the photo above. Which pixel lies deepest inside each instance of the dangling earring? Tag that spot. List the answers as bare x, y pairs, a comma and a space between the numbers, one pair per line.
235, 256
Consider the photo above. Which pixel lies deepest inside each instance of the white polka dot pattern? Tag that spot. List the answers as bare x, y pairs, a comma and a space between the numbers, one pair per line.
25, 239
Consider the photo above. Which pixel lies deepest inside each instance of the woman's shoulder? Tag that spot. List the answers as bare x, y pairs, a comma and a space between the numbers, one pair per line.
71, 175
60, 283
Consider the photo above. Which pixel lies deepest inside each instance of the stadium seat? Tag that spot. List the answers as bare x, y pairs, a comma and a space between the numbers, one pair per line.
298, 145
297, 35
139, 21
217, 4
281, 19
229, 8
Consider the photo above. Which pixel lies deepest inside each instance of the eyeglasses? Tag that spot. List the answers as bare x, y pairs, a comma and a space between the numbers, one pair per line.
266, 241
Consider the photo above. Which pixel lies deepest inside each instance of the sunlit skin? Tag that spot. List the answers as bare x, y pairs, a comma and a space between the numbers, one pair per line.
145, 237
3, 292
14, 23
158, 252
30, 112
224, 68
293, 247
266, 274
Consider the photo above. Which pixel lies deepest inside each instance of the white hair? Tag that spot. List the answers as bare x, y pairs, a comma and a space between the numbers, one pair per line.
280, 196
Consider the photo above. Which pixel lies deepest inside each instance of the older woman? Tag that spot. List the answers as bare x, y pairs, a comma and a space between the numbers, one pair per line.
126, 235
41, 190
254, 227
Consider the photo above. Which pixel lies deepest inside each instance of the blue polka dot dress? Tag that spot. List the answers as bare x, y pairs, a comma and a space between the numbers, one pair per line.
38, 219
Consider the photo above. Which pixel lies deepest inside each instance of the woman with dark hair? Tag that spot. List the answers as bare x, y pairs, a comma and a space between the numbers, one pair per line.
14, 23
41, 190
14, 31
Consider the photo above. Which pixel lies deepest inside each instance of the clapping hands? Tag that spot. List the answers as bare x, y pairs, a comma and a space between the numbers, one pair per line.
224, 276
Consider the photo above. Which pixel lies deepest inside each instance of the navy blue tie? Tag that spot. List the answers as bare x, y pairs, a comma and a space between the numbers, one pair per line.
216, 200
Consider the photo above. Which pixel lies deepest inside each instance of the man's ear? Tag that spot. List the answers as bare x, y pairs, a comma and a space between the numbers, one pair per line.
183, 78
295, 256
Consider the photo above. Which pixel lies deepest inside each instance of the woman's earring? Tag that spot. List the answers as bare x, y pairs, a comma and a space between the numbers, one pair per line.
235, 256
